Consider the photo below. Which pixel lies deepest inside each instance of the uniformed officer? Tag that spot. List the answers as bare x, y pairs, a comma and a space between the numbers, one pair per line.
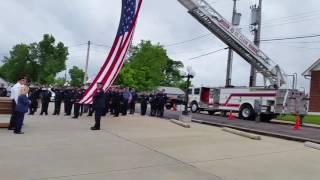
77, 97
99, 104
108, 101
126, 97
3, 91
132, 103
34, 95
45, 99
67, 98
153, 105
116, 99
161, 101
144, 103
57, 100
82, 90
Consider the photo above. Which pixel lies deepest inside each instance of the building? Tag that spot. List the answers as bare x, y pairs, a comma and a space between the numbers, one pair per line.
313, 73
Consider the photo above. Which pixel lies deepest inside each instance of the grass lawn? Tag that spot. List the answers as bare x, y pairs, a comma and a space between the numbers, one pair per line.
311, 119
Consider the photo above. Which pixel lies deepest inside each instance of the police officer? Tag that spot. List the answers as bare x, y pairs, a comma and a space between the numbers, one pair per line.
3, 91
45, 99
144, 103
132, 103
82, 90
99, 104
77, 97
153, 105
108, 101
34, 94
67, 98
161, 101
126, 97
116, 99
57, 100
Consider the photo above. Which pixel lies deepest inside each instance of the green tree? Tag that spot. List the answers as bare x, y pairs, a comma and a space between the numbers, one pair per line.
76, 76
149, 66
39, 61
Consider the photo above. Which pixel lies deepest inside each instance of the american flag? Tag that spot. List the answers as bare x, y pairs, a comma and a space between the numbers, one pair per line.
119, 49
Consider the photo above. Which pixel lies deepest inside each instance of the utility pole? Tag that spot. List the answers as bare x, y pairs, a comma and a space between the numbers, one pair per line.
235, 21
87, 61
257, 16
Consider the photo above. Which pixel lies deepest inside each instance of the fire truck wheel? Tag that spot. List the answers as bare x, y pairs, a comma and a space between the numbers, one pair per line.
246, 112
194, 107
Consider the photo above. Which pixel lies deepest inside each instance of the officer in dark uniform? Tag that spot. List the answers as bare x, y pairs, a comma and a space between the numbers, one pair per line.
3, 91
144, 103
67, 98
99, 104
45, 99
77, 97
108, 101
57, 100
116, 99
161, 101
153, 105
82, 90
132, 104
112, 93
34, 94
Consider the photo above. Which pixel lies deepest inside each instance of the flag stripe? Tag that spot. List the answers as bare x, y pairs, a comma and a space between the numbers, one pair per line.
118, 52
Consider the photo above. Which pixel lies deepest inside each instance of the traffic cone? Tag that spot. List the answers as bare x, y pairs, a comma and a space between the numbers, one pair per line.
174, 109
297, 123
230, 115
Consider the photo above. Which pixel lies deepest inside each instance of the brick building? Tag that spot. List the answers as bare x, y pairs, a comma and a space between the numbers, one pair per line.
313, 72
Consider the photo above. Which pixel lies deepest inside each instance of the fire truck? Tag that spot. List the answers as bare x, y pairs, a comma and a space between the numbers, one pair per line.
268, 101
250, 103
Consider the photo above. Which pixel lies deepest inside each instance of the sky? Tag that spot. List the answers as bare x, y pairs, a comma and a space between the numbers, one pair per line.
75, 22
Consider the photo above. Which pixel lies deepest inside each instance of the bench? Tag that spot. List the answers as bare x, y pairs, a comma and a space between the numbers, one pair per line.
5, 108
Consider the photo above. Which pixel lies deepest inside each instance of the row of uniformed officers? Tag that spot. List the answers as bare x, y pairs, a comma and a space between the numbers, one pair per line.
114, 101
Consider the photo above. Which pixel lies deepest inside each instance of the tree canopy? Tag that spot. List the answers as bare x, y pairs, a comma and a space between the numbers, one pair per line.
149, 66
76, 76
39, 61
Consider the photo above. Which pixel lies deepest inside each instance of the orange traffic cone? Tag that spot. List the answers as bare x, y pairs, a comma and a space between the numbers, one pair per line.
297, 123
230, 115
174, 108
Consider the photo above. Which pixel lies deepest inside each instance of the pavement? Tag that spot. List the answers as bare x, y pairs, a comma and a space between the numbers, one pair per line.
275, 129
145, 148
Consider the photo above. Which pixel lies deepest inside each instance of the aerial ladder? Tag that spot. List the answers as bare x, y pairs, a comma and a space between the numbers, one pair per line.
230, 35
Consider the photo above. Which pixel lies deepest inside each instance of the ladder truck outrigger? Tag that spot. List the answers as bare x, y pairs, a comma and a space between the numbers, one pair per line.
253, 102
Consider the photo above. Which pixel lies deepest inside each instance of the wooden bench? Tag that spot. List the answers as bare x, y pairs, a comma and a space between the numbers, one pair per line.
5, 108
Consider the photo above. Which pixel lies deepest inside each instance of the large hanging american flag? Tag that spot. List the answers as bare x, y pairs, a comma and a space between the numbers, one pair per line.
119, 49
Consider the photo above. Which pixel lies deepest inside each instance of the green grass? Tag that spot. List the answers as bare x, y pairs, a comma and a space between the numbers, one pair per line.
311, 119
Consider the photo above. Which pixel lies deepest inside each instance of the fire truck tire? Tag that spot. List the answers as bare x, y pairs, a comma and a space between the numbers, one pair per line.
246, 112
194, 107
266, 117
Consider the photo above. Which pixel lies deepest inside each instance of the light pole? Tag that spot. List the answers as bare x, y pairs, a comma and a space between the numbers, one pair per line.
189, 75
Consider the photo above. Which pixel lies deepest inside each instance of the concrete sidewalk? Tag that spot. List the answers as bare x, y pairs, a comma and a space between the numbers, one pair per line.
135, 147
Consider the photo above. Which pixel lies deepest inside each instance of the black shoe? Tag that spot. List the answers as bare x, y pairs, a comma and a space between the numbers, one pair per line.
74, 117
19, 132
94, 128
11, 128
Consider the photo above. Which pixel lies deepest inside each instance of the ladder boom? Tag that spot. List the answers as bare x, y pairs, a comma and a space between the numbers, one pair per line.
225, 31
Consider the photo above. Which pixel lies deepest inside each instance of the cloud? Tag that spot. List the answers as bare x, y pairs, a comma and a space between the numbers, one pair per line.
74, 22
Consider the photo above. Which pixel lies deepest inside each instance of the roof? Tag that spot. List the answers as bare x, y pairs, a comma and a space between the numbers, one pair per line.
171, 90
313, 67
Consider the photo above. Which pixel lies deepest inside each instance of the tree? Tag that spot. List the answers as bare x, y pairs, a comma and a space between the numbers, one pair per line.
39, 61
76, 76
149, 66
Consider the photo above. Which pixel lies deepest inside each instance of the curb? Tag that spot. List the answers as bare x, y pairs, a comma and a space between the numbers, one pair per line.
264, 133
185, 125
241, 133
312, 145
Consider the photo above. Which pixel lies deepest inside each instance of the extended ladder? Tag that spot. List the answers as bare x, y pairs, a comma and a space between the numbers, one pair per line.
224, 30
